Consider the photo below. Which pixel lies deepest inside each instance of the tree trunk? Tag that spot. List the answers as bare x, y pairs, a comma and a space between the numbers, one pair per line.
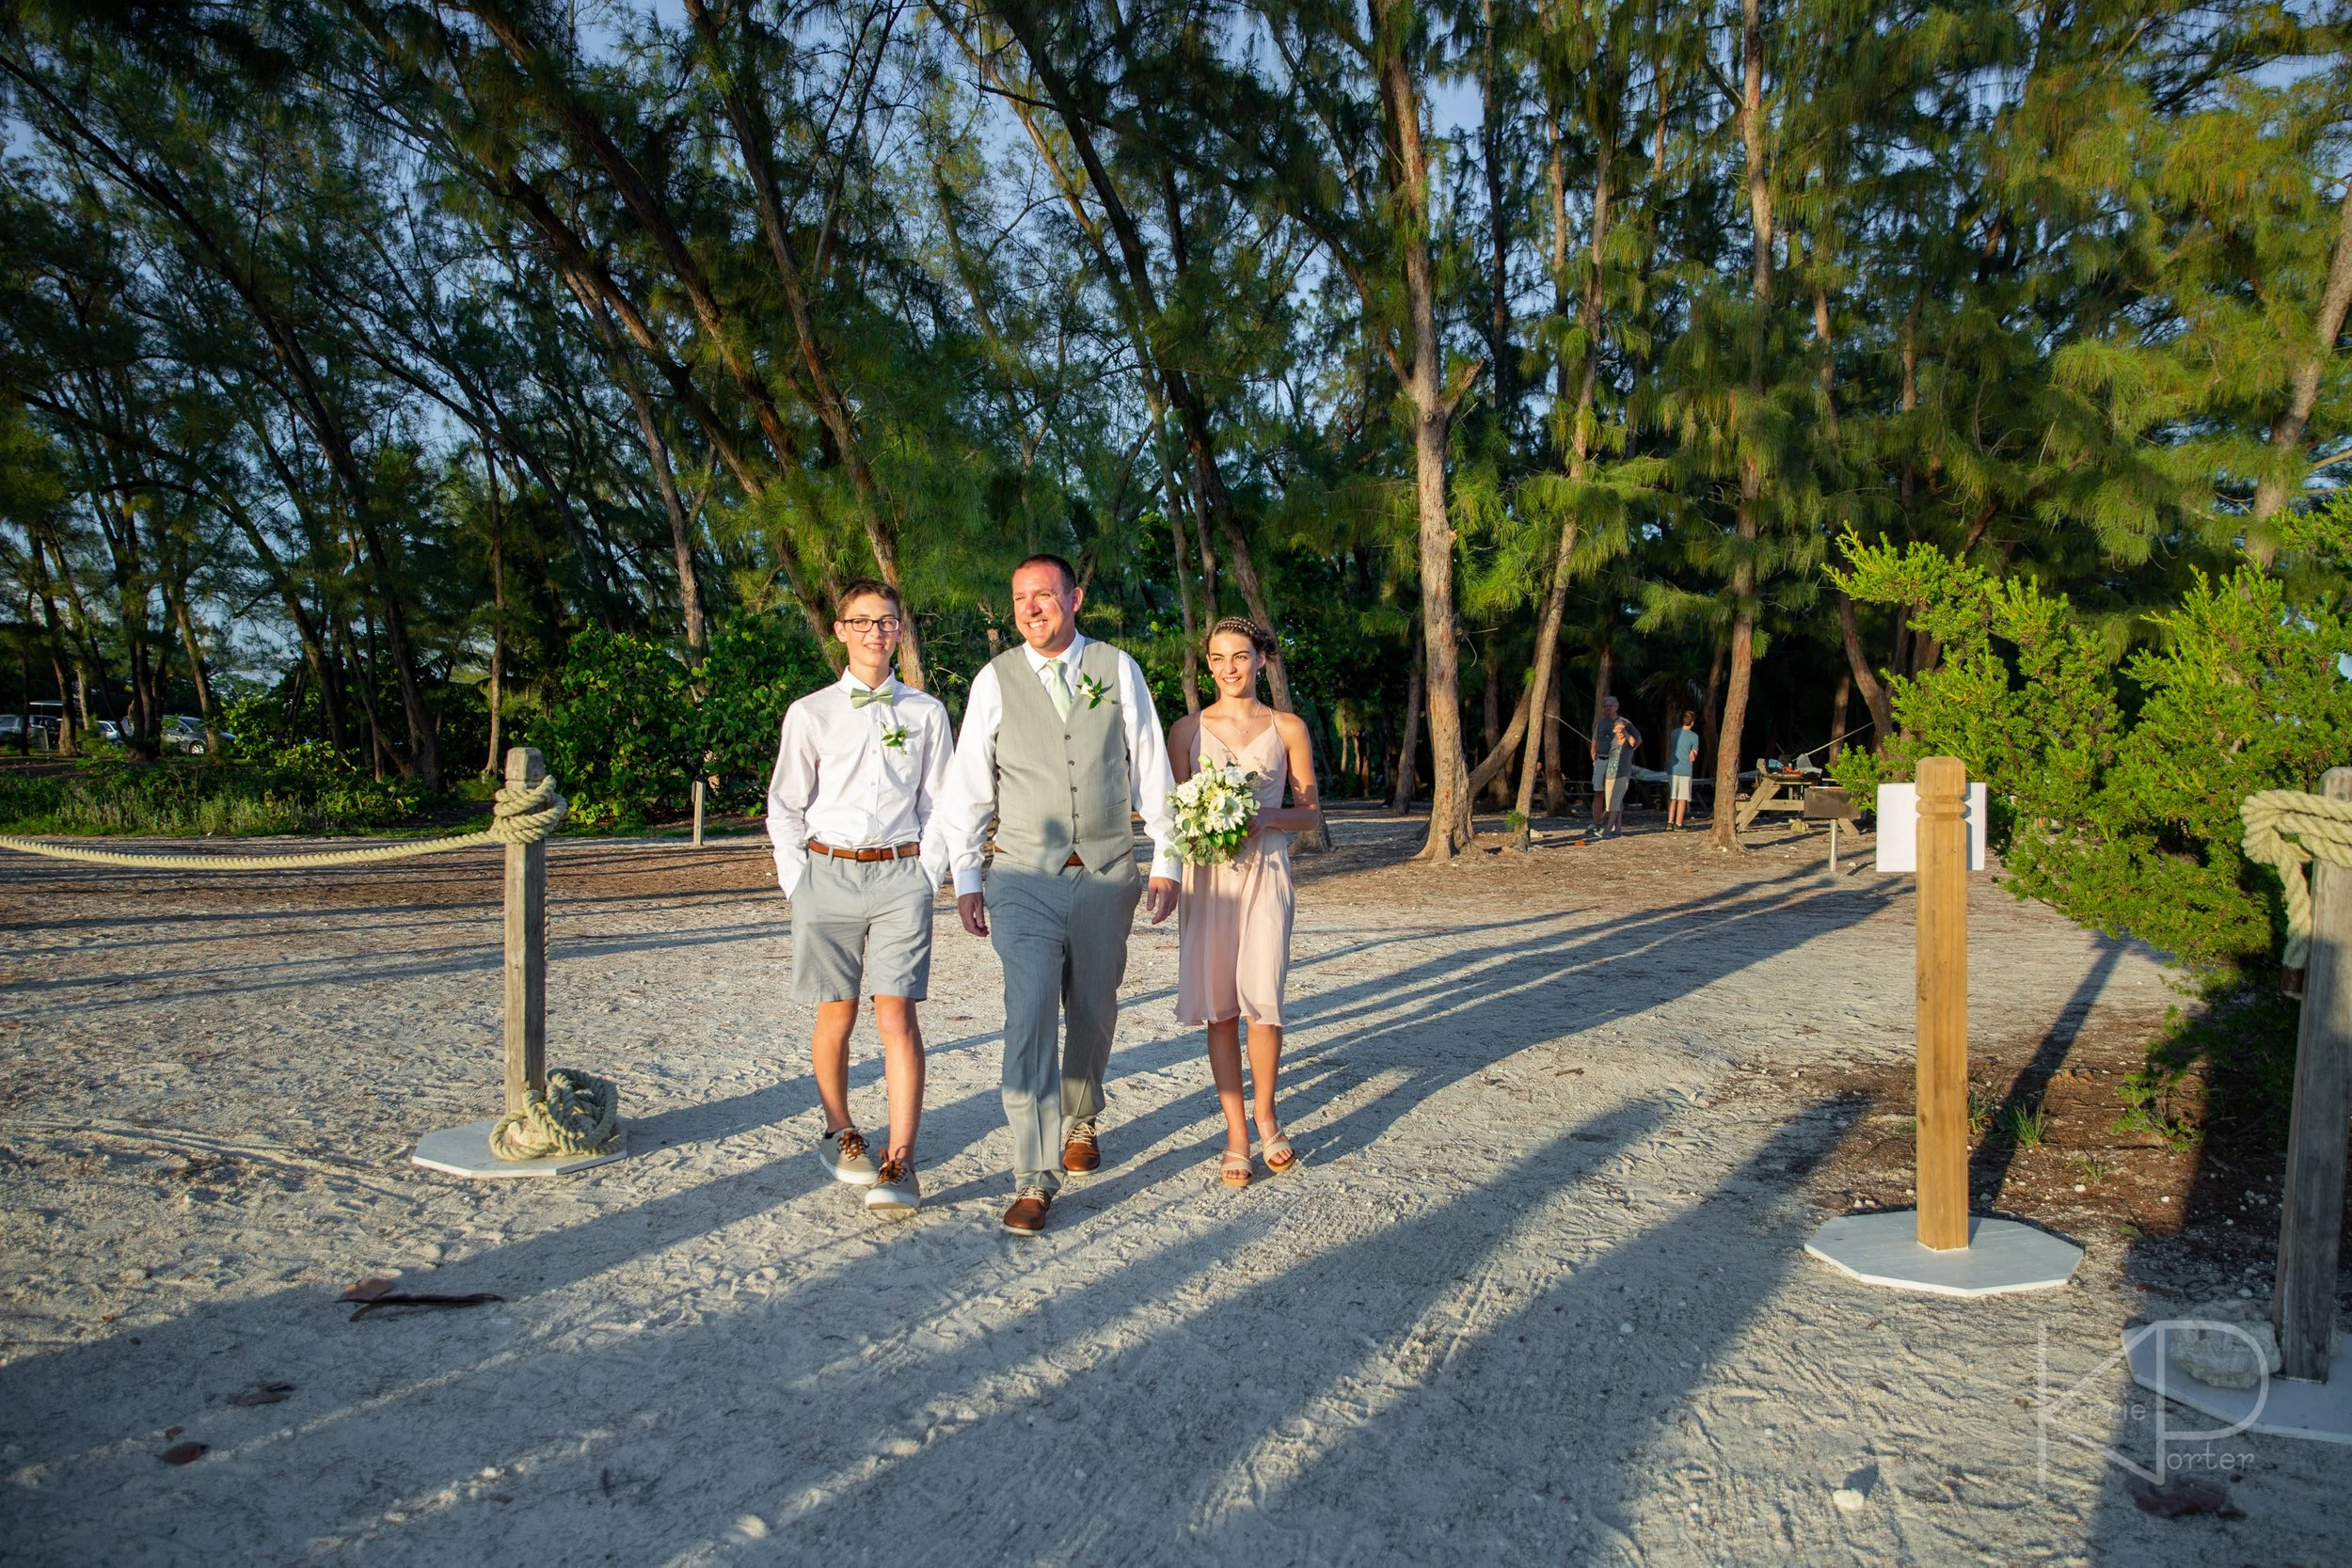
1543, 692
1544, 695
87, 656
57, 643
197, 674
424, 746
491, 765
690, 590
1924, 650
1750, 515
1838, 715
1496, 762
306, 630
1176, 540
1908, 481
1407, 759
1498, 232
1491, 728
1602, 670
1433, 403
1708, 710
1864, 679
1183, 591
755, 142
2287, 430
1555, 780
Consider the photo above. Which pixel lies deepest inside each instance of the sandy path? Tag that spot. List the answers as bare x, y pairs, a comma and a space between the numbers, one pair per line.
1539, 1296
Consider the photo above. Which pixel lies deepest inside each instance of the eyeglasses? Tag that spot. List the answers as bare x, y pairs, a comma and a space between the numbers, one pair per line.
860, 625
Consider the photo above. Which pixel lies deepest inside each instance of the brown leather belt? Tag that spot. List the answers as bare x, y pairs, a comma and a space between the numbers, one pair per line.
884, 853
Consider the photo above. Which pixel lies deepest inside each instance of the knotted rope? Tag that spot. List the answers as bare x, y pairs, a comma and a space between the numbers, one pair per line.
519, 814
2287, 829
577, 1115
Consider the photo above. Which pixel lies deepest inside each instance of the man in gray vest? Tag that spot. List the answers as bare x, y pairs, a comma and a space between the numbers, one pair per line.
1060, 745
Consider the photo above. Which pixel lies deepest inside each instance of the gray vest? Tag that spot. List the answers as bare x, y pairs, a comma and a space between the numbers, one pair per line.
1063, 785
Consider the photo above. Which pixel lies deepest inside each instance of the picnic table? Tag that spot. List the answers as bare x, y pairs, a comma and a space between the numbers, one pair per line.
1775, 790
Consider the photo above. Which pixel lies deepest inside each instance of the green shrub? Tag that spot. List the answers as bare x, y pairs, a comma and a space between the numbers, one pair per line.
2116, 800
196, 799
620, 735
758, 666
2128, 823
626, 734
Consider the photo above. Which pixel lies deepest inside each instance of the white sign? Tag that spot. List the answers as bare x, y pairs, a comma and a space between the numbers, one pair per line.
1899, 827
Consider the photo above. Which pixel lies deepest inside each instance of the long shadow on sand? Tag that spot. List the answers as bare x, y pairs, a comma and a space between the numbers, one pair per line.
1417, 1389
735, 1387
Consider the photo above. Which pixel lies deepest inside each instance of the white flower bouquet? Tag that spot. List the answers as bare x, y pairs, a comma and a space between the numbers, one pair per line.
1213, 811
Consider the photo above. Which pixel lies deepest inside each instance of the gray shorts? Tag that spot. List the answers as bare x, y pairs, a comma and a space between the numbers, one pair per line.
861, 928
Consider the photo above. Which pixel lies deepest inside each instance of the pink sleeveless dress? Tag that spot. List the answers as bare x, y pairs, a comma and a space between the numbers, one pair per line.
1233, 921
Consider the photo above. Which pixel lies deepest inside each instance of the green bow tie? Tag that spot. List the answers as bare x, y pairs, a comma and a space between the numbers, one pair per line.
860, 697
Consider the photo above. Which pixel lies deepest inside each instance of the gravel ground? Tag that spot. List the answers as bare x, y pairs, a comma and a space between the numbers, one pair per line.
1538, 1296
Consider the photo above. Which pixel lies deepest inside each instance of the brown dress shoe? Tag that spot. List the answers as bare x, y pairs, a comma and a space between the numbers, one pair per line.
1026, 1217
1080, 1152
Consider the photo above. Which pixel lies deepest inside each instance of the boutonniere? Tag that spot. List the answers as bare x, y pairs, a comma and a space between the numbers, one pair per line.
1093, 691
896, 737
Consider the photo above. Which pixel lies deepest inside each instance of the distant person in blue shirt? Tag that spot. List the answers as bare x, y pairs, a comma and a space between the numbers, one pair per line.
1680, 771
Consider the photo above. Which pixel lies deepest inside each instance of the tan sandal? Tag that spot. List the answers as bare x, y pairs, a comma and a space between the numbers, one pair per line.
1233, 1170
1279, 1155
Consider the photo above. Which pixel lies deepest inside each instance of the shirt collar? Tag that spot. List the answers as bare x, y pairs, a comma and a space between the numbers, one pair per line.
1069, 656
849, 682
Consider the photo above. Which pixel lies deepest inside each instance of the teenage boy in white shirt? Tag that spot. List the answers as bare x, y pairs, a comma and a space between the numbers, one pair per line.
860, 769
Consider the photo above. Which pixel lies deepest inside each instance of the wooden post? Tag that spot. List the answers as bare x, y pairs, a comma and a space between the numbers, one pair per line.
2310, 1217
1943, 1018
525, 948
698, 813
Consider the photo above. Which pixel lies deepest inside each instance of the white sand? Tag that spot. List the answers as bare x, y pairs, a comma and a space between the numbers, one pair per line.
1539, 1295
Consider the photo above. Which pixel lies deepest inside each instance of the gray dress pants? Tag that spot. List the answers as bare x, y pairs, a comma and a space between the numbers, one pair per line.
1062, 939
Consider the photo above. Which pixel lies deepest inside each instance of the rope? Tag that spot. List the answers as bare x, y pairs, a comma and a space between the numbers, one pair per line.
2286, 830
519, 814
577, 1115
1839, 740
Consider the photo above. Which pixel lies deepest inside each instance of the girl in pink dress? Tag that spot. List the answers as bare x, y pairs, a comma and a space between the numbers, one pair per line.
1233, 921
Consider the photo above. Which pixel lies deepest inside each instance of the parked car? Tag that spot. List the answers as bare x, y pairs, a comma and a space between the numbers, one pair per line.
43, 733
183, 733
114, 732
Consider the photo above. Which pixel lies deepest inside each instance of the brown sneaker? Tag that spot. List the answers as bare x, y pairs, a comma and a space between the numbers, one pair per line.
1079, 1152
1026, 1217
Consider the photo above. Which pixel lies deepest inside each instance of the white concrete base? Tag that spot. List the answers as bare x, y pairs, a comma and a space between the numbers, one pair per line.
2001, 1254
2280, 1407
466, 1151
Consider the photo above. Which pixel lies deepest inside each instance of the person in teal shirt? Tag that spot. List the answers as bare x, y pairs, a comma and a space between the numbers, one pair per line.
1680, 772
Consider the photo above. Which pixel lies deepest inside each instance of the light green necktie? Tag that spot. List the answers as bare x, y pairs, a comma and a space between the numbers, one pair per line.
860, 697
1062, 700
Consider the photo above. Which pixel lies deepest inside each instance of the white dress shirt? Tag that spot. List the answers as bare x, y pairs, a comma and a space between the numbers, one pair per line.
839, 780
969, 802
